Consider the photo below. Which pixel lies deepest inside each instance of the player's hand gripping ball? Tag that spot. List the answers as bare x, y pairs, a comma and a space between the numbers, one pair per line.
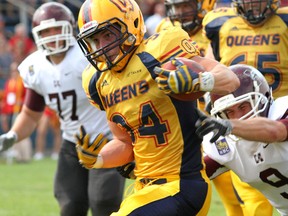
179, 78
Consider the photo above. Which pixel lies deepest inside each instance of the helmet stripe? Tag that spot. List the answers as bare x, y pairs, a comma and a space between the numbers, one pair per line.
87, 15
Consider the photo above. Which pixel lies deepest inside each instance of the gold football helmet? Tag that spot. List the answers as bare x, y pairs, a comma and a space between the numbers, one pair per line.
189, 13
120, 18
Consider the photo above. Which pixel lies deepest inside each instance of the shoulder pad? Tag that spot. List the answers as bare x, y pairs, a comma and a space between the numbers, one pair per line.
278, 108
216, 18
165, 23
283, 14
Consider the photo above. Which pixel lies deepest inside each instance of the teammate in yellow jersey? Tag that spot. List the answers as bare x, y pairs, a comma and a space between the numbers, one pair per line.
254, 32
148, 124
189, 14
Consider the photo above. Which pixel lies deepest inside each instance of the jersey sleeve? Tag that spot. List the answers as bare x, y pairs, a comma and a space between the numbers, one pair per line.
29, 72
279, 111
213, 168
279, 108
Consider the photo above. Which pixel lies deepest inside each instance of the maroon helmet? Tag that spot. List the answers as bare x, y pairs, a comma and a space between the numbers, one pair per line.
253, 88
53, 15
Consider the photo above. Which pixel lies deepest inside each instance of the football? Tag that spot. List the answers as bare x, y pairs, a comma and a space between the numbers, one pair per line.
196, 67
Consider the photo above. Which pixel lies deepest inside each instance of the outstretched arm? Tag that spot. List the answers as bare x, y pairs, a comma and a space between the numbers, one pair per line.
255, 129
263, 129
25, 122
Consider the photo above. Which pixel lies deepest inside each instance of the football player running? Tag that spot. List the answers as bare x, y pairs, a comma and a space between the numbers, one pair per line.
148, 124
52, 76
254, 32
250, 137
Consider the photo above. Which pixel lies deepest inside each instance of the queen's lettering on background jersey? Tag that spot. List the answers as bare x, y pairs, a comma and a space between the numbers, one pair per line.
248, 40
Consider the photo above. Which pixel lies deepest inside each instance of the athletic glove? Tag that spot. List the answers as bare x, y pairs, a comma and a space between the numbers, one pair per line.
183, 79
127, 170
7, 140
219, 127
88, 153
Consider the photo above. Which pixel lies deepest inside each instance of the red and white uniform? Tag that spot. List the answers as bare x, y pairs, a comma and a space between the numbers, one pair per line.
61, 87
262, 165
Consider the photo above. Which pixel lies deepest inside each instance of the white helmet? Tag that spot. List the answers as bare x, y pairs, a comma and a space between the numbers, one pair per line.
49, 15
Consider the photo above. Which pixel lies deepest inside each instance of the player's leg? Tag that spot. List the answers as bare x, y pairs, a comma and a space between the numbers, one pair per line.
224, 187
254, 202
185, 198
71, 182
105, 191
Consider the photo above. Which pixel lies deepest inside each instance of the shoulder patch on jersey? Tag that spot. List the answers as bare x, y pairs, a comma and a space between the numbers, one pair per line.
31, 70
222, 146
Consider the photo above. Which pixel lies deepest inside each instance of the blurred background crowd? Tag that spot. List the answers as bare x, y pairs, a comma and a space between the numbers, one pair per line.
16, 43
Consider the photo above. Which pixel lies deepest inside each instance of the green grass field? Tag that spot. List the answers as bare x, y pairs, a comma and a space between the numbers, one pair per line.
27, 190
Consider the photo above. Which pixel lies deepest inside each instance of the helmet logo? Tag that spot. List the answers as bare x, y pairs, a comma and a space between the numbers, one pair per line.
93, 24
123, 5
43, 22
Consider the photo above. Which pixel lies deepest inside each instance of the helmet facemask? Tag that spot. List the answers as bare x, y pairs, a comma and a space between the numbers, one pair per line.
124, 41
258, 103
255, 12
190, 20
66, 36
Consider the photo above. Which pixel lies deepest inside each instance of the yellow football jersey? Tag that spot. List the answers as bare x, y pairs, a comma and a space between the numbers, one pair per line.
265, 47
162, 128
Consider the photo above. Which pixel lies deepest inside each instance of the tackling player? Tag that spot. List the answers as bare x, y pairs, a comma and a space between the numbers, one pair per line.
52, 76
254, 32
149, 125
250, 137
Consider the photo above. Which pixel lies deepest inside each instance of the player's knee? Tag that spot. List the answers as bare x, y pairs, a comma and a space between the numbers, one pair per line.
72, 208
104, 208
